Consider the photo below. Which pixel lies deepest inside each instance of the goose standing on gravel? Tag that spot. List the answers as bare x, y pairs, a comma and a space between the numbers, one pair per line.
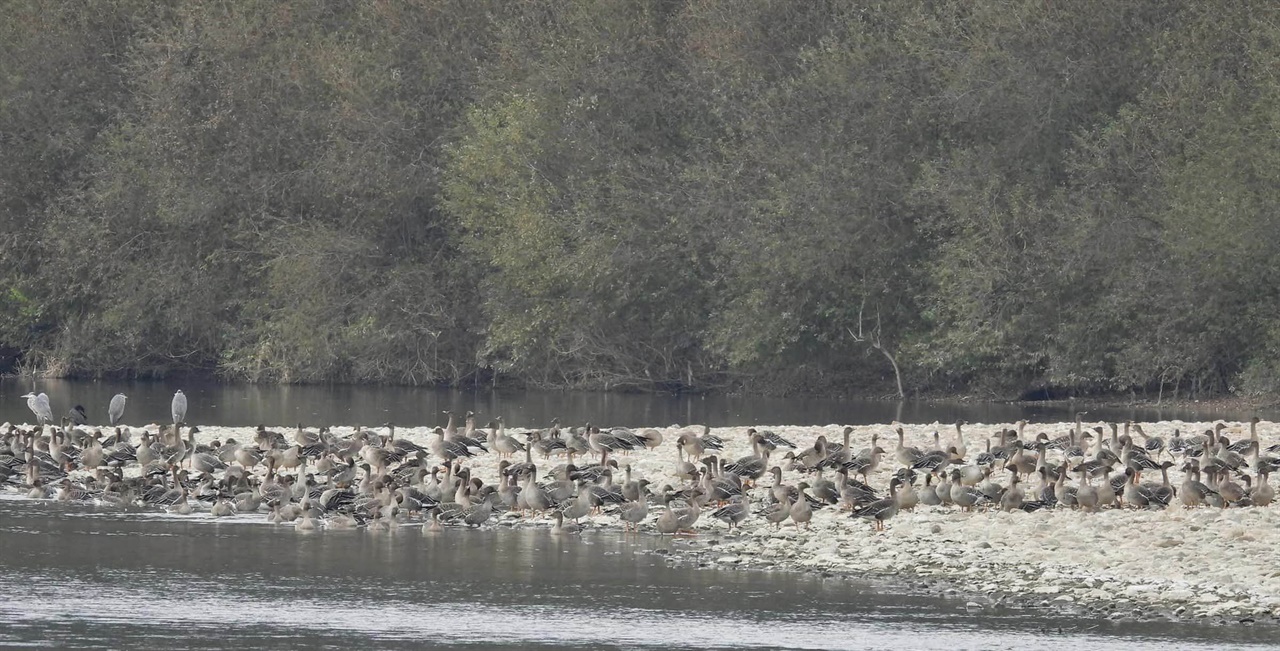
777, 512
732, 514
1013, 496
1263, 494
668, 522
880, 510
500, 442
961, 448
801, 512
907, 456
1086, 494
634, 512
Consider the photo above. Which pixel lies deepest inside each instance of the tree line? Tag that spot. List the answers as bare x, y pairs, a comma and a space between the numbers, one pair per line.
978, 197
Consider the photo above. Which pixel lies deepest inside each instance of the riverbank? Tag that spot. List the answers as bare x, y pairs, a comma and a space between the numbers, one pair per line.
1203, 564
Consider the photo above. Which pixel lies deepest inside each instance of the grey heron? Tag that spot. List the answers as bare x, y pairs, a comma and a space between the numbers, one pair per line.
39, 405
116, 411
179, 408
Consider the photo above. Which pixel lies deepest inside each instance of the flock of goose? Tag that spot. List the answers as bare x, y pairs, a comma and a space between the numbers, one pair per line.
464, 474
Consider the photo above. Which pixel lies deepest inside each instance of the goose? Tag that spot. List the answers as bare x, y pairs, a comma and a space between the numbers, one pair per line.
575, 444
564, 528
1086, 494
1243, 446
1230, 491
711, 441
91, 457
943, 489
1227, 454
1153, 444
751, 467
1065, 495
535, 498
987, 457
1163, 493
970, 475
961, 448
690, 445
928, 495
603, 444
466, 440
304, 437
221, 508
854, 494
838, 453
688, 516
778, 490
1137, 496
907, 456
865, 465
801, 510
605, 492
306, 519
67, 492
433, 525
477, 514
1263, 494
1012, 498
907, 496
966, 497
500, 442
1193, 492
633, 489
668, 522
207, 463
649, 437
881, 510
772, 438
777, 512
182, 506
629, 439
732, 513
810, 457
824, 489
934, 462
634, 512
1022, 463
440, 444
1107, 492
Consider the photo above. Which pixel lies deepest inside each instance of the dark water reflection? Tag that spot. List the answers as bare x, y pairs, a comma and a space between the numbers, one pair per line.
76, 577
247, 404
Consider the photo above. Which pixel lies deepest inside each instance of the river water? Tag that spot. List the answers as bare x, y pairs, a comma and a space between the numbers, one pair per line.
248, 404
79, 577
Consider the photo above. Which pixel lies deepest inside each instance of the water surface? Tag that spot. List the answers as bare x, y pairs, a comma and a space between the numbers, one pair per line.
79, 577
278, 405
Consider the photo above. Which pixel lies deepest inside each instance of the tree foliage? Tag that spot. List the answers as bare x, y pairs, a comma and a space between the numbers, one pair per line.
999, 197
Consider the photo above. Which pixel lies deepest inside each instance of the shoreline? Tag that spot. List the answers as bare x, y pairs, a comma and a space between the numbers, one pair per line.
1239, 404
1199, 565
1059, 589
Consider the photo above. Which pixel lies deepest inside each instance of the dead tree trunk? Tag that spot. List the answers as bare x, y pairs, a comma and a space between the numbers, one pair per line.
875, 342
